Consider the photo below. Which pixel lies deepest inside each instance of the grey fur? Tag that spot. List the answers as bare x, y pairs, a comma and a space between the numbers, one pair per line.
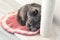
30, 15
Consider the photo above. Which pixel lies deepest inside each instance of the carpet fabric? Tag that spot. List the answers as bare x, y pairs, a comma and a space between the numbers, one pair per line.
9, 23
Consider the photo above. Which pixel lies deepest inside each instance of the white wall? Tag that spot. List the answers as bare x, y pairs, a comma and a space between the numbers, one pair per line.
57, 12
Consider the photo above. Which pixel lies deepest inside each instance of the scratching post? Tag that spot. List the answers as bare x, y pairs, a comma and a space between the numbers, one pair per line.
46, 18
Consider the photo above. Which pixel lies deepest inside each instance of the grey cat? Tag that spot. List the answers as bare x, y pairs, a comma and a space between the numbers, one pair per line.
30, 15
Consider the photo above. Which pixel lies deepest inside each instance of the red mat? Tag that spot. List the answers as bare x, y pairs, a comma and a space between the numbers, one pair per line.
9, 23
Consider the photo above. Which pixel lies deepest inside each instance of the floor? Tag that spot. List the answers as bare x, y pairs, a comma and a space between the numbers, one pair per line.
38, 37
